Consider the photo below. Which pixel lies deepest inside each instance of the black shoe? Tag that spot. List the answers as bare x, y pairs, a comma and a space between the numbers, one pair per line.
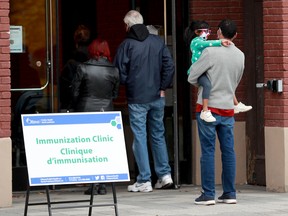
102, 189
89, 190
204, 200
228, 199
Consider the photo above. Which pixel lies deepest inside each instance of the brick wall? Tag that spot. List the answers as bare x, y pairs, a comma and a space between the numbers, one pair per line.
5, 103
275, 60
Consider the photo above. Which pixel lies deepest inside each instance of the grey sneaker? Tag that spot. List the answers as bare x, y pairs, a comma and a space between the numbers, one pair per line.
225, 198
140, 187
165, 182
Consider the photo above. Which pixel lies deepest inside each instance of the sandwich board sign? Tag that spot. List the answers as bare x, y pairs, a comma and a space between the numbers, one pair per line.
73, 148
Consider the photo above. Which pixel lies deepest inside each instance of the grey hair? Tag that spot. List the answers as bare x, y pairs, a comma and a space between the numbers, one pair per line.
133, 17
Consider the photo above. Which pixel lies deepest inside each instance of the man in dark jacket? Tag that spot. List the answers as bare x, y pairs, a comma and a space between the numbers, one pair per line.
146, 69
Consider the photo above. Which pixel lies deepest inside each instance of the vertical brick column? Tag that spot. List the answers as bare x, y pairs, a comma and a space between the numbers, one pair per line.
275, 60
5, 108
276, 109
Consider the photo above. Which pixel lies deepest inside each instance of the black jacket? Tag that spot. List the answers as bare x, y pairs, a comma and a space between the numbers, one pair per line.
95, 85
80, 55
145, 65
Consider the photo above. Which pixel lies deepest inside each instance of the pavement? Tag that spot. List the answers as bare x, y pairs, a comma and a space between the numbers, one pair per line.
251, 200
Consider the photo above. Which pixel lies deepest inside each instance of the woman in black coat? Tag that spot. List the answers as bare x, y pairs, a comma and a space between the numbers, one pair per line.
95, 85
96, 82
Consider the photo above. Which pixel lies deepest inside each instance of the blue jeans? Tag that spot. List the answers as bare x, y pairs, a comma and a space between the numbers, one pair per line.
151, 113
224, 128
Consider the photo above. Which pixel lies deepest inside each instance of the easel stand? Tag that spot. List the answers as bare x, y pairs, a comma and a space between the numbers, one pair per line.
50, 204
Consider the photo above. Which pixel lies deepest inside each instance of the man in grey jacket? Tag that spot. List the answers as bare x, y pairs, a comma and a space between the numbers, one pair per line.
224, 67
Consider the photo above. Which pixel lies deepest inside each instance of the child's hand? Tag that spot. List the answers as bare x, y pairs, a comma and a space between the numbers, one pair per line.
225, 42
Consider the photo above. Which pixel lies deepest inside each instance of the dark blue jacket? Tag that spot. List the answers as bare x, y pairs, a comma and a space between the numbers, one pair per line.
145, 65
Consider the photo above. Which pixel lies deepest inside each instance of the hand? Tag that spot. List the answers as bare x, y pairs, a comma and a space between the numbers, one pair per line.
162, 93
225, 42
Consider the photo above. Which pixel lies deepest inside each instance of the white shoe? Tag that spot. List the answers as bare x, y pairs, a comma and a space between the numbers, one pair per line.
207, 116
240, 107
140, 187
165, 182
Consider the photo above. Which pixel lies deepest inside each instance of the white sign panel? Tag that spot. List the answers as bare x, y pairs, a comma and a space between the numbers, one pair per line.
72, 148
16, 39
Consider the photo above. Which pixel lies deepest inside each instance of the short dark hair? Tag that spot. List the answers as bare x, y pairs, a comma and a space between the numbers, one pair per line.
228, 28
82, 35
202, 25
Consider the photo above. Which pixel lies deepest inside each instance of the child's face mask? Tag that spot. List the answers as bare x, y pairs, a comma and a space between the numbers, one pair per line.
205, 33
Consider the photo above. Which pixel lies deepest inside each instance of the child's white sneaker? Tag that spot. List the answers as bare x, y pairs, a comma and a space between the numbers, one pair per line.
207, 116
240, 107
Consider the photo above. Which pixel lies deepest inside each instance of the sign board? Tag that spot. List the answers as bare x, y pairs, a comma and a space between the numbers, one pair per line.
73, 148
16, 39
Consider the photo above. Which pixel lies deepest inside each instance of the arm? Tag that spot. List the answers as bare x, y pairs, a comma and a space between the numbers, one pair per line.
121, 61
201, 44
168, 69
198, 45
199, 67
116, 85
76, 85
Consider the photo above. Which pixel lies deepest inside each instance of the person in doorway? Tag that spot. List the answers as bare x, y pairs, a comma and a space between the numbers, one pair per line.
80, 55
146, 69
95, 85
224, 66
200, 31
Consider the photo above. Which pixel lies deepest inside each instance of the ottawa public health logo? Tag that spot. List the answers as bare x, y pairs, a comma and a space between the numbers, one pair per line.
45, 121
31, 121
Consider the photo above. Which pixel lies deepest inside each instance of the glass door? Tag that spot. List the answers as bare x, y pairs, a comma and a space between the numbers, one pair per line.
32, 41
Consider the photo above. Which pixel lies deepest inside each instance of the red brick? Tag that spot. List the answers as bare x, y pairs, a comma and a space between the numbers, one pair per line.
5, 65
5, 110
4, 72
4, 88
5, 80
4, 4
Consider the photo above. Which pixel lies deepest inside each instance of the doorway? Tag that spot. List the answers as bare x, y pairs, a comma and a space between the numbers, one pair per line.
32, 72
46, 28
254, 67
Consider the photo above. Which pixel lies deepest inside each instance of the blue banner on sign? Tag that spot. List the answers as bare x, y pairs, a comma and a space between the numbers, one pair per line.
39, 119
82, 179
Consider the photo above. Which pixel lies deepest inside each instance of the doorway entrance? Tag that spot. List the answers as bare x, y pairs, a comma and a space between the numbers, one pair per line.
44, 29
32, 72
254, 67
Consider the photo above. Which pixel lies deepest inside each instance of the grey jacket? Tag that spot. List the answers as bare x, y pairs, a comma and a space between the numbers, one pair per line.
224, 67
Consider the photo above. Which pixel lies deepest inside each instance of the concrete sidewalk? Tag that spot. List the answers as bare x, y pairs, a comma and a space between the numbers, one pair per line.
252, 200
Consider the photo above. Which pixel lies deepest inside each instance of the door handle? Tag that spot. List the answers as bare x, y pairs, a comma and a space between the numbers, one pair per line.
273, 85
